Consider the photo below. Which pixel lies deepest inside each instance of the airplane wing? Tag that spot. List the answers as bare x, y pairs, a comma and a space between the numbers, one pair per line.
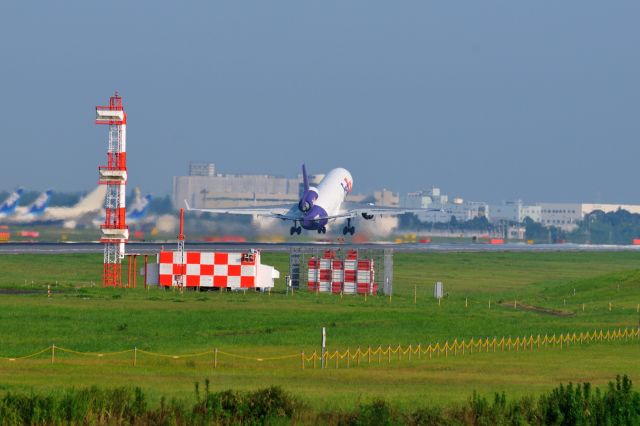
371, 211
282, 211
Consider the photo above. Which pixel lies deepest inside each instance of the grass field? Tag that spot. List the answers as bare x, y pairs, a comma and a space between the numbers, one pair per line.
83, 317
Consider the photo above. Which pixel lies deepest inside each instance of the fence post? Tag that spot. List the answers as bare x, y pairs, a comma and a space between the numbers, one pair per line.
135, 356
389, 354
302, 359
348, 358
53, 353
369, 355
379, 354
215, 358
410, 350
415, 294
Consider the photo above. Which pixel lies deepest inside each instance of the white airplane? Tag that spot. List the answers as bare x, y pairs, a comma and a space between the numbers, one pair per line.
70, 216
318, 206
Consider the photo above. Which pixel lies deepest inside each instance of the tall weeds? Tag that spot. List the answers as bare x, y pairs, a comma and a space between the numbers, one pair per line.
572, 404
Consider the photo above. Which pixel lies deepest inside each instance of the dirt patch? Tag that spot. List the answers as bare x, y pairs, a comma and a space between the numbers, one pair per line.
538, 309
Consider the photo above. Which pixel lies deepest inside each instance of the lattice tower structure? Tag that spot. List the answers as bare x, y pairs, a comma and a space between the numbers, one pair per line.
181, 278
115, 232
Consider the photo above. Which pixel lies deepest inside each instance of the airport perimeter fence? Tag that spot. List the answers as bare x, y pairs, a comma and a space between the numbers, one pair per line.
371, 355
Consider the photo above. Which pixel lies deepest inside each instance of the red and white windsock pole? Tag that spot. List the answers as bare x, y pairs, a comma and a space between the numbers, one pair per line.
115, 232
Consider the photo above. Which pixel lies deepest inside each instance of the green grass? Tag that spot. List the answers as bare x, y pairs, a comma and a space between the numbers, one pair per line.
85, 317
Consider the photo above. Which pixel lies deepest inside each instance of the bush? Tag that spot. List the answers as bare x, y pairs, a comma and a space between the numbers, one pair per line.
564, 405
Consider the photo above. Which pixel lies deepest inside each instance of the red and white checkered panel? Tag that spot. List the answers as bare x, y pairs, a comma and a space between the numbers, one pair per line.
223, 270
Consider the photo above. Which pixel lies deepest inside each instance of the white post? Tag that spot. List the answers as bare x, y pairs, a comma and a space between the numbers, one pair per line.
324, 347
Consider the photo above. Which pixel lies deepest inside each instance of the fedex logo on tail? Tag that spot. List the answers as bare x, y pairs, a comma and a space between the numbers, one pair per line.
347, 185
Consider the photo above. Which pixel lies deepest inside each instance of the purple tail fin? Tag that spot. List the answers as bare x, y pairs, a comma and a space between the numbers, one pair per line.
305, 178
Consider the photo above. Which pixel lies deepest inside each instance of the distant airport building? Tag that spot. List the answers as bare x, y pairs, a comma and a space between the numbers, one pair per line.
514, 211
204, 188
202, 169
385, 198
438, 208
424, 199
567, 215
561, 215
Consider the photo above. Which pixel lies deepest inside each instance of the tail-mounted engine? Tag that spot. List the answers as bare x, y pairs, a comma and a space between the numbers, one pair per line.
307, 200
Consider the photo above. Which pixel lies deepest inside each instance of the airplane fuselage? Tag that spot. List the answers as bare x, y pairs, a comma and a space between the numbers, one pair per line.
326, 198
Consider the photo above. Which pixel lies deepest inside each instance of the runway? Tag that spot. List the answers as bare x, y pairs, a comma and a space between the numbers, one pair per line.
154, 247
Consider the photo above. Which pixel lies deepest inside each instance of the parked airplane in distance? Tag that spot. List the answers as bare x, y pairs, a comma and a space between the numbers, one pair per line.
318, 206
33, 211
8, 206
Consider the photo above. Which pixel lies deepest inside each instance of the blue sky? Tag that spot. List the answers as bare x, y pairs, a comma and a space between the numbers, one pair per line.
489, 100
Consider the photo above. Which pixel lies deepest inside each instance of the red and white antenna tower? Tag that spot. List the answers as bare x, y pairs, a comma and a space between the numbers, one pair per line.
115, 232
180, 279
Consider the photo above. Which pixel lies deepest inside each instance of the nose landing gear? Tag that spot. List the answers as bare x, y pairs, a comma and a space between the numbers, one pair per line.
322, 230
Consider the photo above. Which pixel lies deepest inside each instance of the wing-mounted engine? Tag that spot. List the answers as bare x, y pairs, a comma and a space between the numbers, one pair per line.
367, 216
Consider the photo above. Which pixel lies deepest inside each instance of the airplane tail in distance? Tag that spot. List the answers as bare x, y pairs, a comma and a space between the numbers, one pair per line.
94, 201
140, 208
9, 205
40, 204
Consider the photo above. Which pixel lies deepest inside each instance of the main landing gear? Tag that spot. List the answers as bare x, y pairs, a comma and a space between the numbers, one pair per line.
348, 229
295, 229
322, 230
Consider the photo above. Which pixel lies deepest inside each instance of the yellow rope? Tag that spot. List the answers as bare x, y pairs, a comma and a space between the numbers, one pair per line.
27, 356
174, 356
273, 358
503, 344
59, 348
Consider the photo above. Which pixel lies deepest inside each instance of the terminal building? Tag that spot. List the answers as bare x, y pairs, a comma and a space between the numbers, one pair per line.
205, 188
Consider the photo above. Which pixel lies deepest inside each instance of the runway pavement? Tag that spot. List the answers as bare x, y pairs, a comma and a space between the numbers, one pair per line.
154, 247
